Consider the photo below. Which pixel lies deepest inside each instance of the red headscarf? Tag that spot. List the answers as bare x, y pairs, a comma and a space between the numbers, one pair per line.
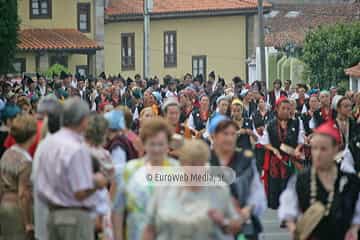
280, 100
330, 129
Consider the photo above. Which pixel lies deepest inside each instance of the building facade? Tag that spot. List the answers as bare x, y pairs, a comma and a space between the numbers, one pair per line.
354, 77
91, 36
63, 32
185, 37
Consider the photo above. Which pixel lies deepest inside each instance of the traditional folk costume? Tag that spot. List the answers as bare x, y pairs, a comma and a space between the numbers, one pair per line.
198, 120
41, 91
351, 157
307, 120
322, 115
185, 131
342, 207
243, 140
119, 146
187, 110
320, 213
349, 129
266, 118
278, 171
247, 188
185, 114
308, 123
259, 126
249, 110
302, 105
274, 96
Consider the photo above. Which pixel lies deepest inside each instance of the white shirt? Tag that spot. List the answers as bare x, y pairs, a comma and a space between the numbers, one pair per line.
122, 91
289, 204
136, 114
74, 83
277, 94
41, 210
170, 94
347, 163
300, 139
42, 90
118, 156
257, 196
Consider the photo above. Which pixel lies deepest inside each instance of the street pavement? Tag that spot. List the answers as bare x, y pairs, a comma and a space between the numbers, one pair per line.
272, 230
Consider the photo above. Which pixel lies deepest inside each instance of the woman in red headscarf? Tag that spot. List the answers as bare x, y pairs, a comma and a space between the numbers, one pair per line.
322, 202
283, 141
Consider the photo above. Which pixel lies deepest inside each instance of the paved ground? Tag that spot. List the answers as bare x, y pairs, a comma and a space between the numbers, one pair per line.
272, 230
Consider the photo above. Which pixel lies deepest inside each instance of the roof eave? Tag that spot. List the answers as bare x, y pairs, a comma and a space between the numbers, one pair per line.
70, 50
351, 74
192, 14
353, 71
283, 45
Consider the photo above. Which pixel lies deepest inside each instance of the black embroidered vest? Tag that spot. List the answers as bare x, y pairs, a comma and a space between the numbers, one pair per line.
335, 225
292, 133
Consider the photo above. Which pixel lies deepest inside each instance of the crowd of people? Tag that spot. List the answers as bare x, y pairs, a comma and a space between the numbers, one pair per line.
73, 150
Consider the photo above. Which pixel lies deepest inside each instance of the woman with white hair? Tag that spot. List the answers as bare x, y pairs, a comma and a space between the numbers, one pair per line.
192, 210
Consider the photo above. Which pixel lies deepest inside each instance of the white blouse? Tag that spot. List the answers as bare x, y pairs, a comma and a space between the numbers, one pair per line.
289, 204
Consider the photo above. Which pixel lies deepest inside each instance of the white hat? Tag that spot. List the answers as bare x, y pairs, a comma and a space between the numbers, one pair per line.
335, 101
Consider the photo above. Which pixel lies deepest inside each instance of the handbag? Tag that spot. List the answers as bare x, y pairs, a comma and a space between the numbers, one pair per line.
290, 150
309, 220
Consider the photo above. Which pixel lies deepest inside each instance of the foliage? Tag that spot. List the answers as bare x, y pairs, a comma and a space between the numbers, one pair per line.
329, 50
343, 86
56, 69
9, 26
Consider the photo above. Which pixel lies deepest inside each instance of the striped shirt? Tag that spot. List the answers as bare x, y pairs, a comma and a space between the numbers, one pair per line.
64, 168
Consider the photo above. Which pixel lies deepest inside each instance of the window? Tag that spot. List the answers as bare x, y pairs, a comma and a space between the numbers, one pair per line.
58, 59
40, 8
128, 51
82, 70
292, 14
272, 14
354, 83
83, 12
199, 66
19, 65
37, 63
170, 50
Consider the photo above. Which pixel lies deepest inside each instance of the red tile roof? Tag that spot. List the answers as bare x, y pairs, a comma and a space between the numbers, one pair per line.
353, 71
135, 7
55, 39
281, 29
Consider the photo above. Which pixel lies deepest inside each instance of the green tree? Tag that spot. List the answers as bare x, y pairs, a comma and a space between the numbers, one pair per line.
329, 50
9, 26
56, 69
